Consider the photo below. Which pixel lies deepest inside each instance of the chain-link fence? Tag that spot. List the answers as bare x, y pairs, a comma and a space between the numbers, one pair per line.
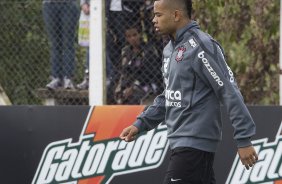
133, 53
42, 60
39, 55
44, 57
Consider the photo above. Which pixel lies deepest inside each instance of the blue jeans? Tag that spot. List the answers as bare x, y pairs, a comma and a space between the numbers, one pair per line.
61, 20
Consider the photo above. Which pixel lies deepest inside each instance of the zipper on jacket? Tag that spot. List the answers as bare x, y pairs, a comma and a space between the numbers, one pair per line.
193, 88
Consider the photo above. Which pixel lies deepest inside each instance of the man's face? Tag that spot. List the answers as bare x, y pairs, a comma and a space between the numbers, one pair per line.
132, 37
163, 18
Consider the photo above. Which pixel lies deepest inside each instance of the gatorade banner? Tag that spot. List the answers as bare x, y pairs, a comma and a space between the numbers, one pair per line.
100, 155
81, 145
268, 169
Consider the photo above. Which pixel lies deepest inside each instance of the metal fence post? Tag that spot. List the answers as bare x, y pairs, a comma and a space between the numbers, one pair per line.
97, 52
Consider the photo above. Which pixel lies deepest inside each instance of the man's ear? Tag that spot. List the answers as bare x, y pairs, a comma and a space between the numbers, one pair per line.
177, 15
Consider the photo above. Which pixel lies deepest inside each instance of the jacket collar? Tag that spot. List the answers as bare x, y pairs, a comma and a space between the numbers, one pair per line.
180, 32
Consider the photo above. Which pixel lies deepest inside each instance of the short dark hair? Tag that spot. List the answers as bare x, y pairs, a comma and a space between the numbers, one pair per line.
188, 7
185, 4
134, 25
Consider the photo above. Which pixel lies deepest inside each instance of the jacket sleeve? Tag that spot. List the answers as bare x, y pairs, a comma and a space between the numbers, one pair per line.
209, 64
153, 115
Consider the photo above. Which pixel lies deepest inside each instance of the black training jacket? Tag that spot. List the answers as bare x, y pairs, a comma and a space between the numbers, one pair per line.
198, 80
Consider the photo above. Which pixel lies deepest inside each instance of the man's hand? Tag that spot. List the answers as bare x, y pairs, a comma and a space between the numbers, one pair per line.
129, 134
248, 156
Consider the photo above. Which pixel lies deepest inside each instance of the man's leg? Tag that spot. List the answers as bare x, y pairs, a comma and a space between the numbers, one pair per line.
51, 15
190, 166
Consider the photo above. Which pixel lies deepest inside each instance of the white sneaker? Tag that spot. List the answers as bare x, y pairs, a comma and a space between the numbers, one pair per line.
84, 84
54, 84
68, 84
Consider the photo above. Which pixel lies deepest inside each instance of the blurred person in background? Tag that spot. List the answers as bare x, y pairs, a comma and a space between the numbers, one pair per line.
140, 67
83, 39
61, 18
119, 14
151, 37
112, 71
197, 80
114, 42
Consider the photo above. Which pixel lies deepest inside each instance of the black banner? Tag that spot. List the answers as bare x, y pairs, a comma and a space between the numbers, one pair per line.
26, 131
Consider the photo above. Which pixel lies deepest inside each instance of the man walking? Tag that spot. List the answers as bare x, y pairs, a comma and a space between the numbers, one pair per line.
197, 80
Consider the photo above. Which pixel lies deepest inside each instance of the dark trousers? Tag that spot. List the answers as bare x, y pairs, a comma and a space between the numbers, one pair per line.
190, 166
61, 20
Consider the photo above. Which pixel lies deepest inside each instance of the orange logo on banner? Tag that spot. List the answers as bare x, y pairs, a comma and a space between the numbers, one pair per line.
100, 155
107, 122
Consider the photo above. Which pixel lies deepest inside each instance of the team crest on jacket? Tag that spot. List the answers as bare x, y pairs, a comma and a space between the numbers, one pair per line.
180, 54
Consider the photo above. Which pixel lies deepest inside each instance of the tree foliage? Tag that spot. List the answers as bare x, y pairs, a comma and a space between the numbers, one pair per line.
249, 33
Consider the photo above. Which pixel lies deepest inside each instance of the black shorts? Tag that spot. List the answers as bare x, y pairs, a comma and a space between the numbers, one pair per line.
190, 166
